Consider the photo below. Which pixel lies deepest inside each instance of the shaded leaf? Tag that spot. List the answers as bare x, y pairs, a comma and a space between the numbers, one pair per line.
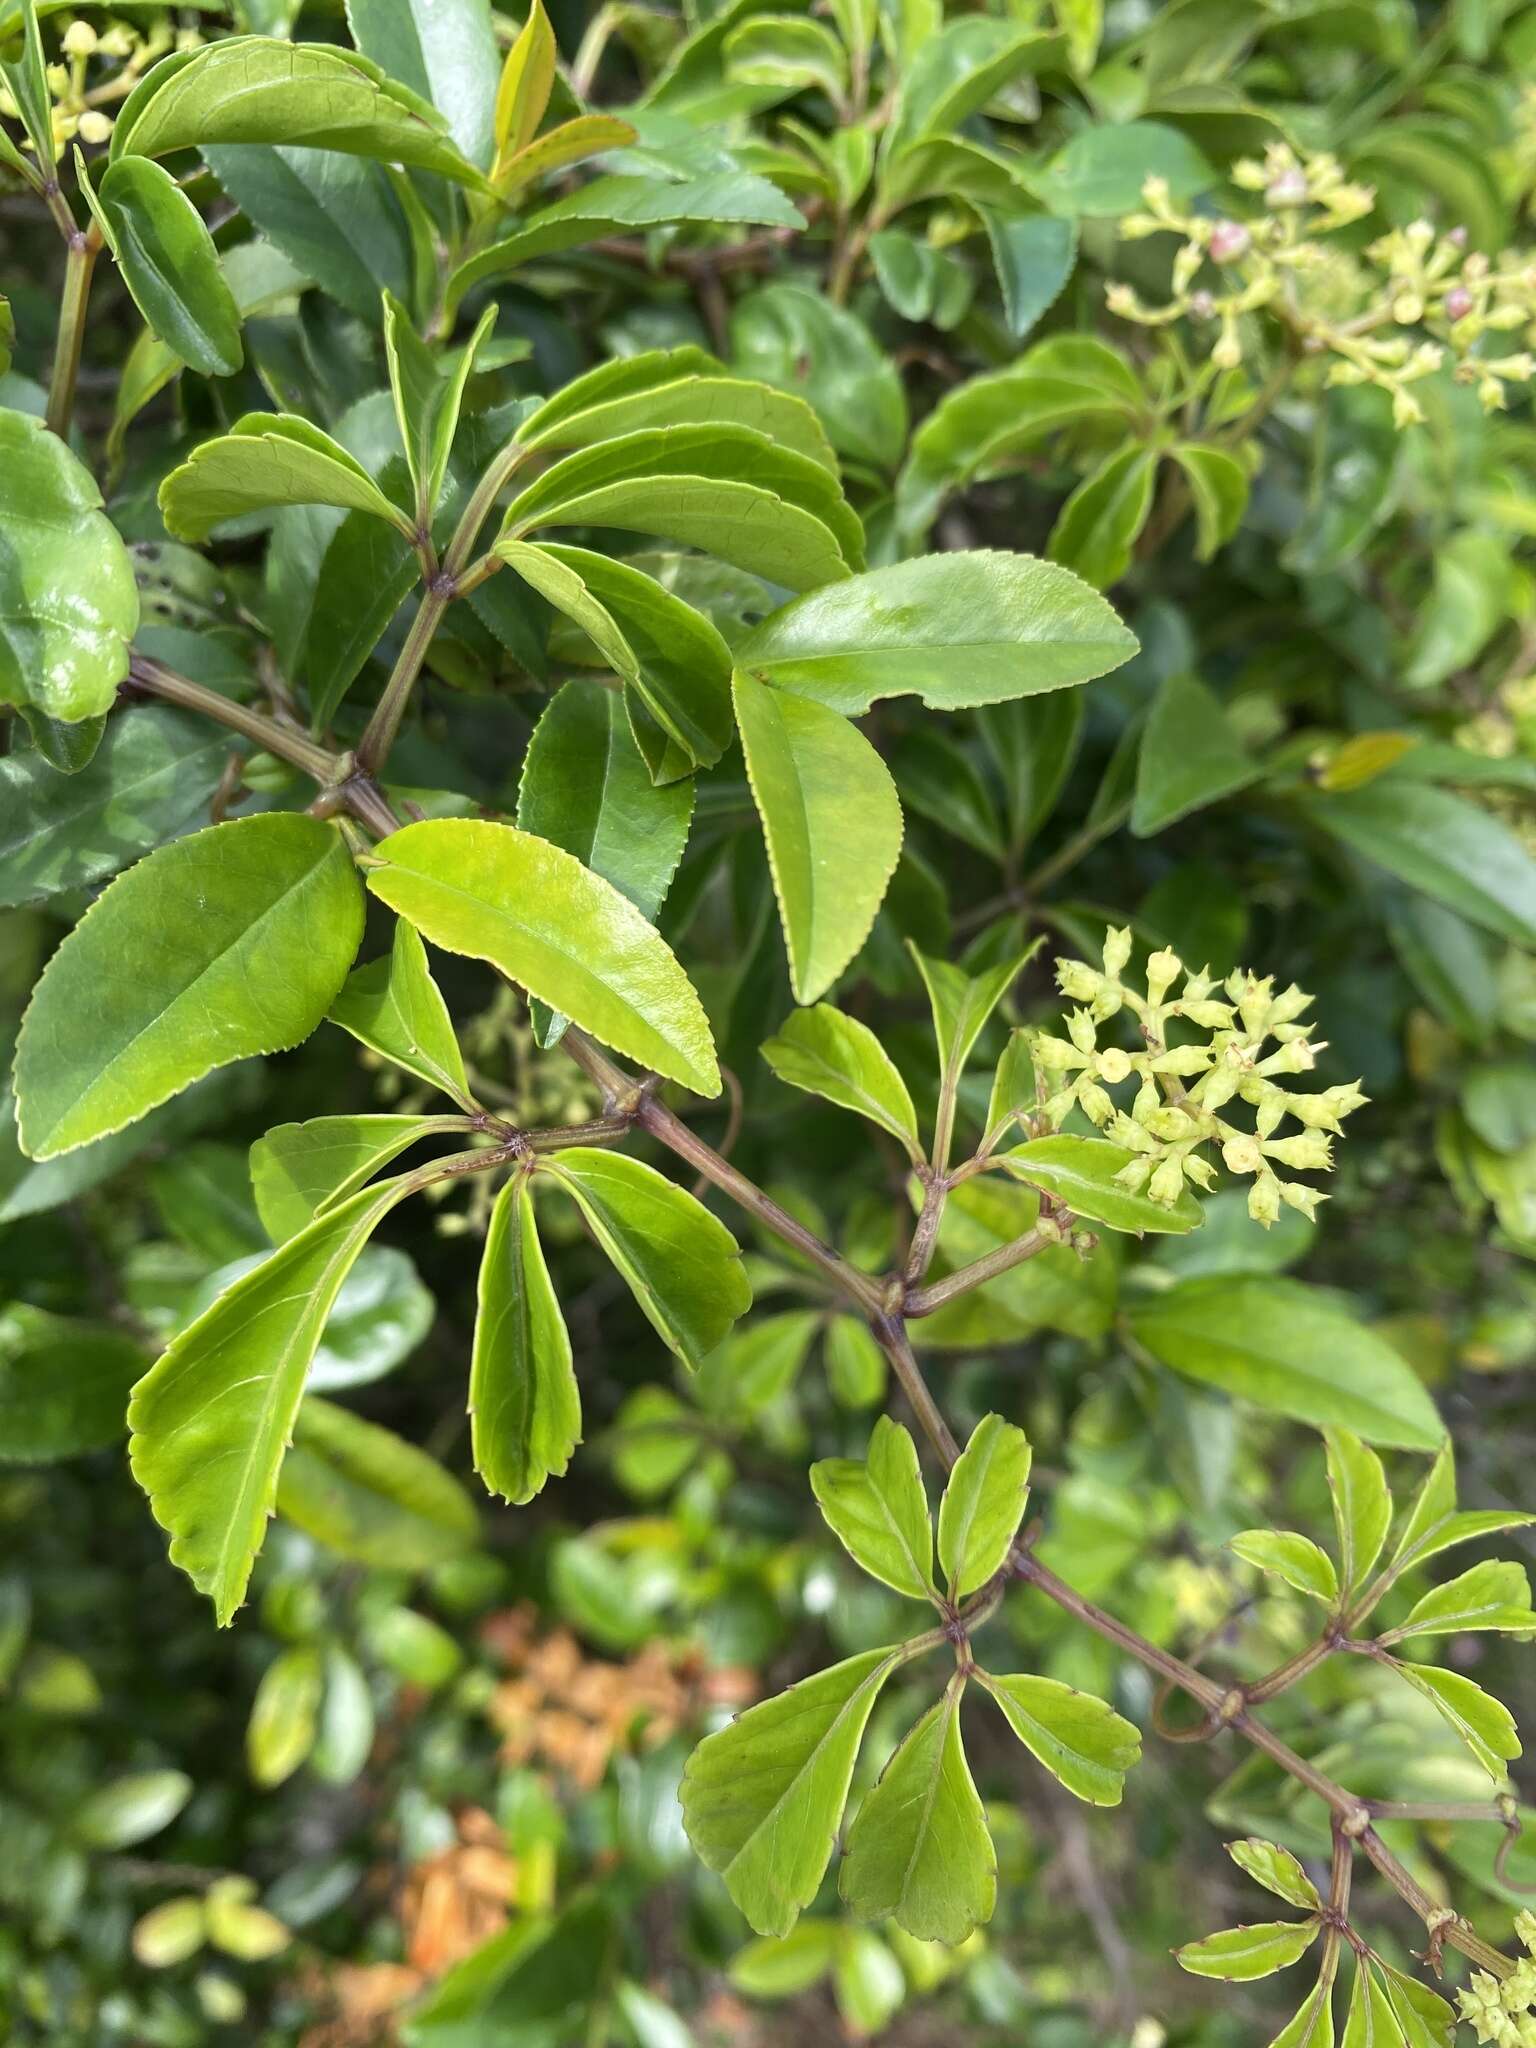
395, 1007
524, 1405
832, 1055
369, 1495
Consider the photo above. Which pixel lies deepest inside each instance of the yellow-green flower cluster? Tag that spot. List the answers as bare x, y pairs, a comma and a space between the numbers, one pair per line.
1415, 299
82, 90
1167, 1124
1504, 2013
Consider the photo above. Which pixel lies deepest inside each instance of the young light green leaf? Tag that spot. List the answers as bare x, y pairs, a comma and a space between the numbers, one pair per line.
395, 1007
267, 459
1371, 2022
345, 1731
169, 264
585, 786
131, 1808
878, 1511
1484, 1724
1362, 1505
961, 1003
299, 1169
829, 1054
857, 1371
524, 1404
919, 1851
762, 1799
1425, 2018
1277, 1870
527, 79
230, 942
681, 1263
428, 395
284, 1715
268, 89
1097, 528
1492, 1595
1312, 2026
70, 605
557, 930
1433, 1524
1239, 1954
1083, 1172
954, 630
1189, 756
780, 1968
832, 821
1079, 1739
1296, 1559
1218, 484
757, 1366
370, 1496
983, 1504
211, 1418
1285, 1347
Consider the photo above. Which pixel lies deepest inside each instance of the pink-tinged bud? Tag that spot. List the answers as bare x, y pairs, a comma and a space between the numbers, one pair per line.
1457, 238
1458, 303
1229, 240
1287, 188
1202, 305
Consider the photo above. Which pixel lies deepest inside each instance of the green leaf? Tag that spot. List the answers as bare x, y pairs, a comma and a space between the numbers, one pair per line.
919, 1852
1467, 604
1432, 1523
1218, 484
299, 1169
334, 216
267, 459
1312, 2026
919, 280
345, 1730
678, 387
756, 1367
1492, 1595
1277, 1870
262, 89
211, 1418
1425, 2018
556, 929
856, 1366
585, 787
1296, 1559
784, 1967
802, 343
26, 73
655, 1438
69, 606
369, 1495
1283, 1346
284, 1715
1362, 1505
1371, 2022
428, 395
155, 769
524, 1405
878, 1511
832, 821
762, 1799
231, 942
1082, 1173
527, 79
1445, 845
1033, 254
671, 656
395, 1007
445, 52
835, 1056
681, 1263
728, 490
1102, 169
131, 1809
952, 73
1097, 528
983, 1504
365, 573
63, 1384
1078, 1738
1484, 1724
787, 50
1239, 1954
618, 206
962, 1003
170, 266
1188, 757
955, 630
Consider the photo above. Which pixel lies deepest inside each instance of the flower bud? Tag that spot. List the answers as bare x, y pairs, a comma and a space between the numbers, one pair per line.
1242, 1154
79, 40
94, 126
1297, 1197
1264, 1200
1229, 240
1202, 305
1117, 951
1167, 1183
1457, 303
1311, 1152
1287, 188
1081, 1031
1075, 978
1098, 1105
1163, 969
1114, 1065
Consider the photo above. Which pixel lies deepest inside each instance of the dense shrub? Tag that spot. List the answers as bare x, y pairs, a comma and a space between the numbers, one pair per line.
743, 752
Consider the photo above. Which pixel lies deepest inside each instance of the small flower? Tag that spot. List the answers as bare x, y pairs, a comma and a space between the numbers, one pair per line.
1229, 240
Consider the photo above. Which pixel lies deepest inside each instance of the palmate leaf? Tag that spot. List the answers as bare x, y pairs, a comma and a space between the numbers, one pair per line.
878, 1511
299, 1169
1433, 1522
1491, 1595
1312, 2026
961, 1003
681, 1264
919, 1851
832, 821
231, 942
1079, 1739
212, 1417
1362, 1504
1276, 1869
762, 1798
1296, 1559
557, 930
428, 395
524, 1404
1484, 1724
983, 1504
